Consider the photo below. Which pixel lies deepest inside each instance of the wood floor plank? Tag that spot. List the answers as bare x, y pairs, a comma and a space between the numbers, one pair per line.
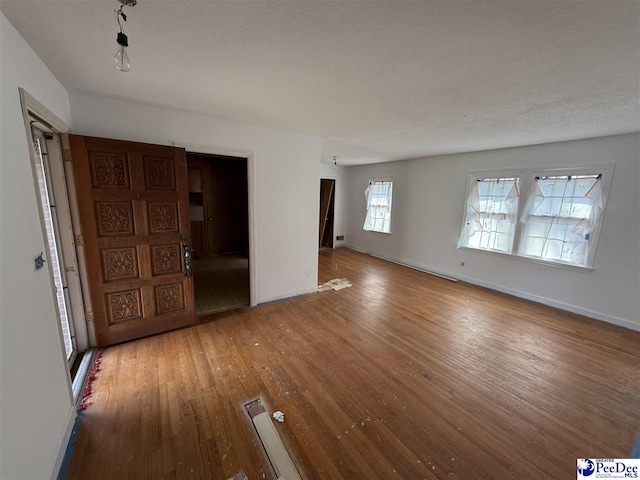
403, 375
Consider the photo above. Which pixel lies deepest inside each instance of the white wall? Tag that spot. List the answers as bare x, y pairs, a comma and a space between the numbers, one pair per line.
36, 410
428, 203
340, 218
287, 189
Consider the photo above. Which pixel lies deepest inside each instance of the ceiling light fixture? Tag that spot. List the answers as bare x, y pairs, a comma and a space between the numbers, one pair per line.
121, 58
334, 157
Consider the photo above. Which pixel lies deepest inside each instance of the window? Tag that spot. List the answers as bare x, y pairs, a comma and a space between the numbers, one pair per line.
379, 194
53, 237
492, 210
560, 217
553, 215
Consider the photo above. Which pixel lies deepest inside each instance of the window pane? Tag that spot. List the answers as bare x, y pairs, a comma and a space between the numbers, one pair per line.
379, 196
494, 194
492, 206
533, 246
560, 215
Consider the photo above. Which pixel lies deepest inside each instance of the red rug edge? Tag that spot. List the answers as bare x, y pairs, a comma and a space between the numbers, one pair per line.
84, 403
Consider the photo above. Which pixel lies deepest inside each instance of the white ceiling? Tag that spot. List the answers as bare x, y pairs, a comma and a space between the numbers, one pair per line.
378, 80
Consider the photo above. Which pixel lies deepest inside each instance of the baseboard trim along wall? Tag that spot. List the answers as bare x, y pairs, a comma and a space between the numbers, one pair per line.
603, 317
64, 442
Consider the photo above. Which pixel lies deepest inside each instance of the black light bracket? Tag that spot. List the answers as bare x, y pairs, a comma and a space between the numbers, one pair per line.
122, 39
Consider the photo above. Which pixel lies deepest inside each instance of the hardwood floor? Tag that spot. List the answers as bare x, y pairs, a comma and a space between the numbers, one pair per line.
221, 283
404, 375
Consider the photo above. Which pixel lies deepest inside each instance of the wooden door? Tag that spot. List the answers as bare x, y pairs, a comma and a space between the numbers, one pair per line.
326, 197
134, 210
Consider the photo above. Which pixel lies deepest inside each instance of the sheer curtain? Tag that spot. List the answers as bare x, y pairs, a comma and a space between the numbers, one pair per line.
492, 210
379, 195
560, 217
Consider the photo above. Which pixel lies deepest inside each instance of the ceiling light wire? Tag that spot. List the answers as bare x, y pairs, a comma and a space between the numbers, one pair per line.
121, 58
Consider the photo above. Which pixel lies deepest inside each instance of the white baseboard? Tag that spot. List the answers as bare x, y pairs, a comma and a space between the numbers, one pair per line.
601, 316
64, 442
287, 296
621, 322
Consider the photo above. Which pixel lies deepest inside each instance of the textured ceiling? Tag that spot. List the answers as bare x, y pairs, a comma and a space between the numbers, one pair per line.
378, 80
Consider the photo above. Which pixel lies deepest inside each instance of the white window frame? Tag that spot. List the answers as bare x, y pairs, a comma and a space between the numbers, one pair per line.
370, 182
527, 176
473, 179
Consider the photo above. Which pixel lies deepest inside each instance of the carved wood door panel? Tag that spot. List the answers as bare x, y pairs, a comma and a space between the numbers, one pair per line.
134, 211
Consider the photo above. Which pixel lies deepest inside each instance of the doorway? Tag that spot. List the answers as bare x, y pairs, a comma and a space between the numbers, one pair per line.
62, 255
219, 216
327, 202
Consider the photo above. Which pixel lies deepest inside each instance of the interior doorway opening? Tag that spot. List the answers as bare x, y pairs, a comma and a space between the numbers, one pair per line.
219, 216
327, 202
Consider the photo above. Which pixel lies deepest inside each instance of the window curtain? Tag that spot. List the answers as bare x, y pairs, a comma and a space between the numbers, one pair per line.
378, 195
492, 210
560, 217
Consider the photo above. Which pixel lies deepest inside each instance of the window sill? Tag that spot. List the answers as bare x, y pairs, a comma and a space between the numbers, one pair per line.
376, 231
538, 261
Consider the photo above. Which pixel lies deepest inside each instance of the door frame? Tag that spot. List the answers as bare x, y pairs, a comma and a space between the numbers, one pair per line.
252, 203
64, 186
333, 211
